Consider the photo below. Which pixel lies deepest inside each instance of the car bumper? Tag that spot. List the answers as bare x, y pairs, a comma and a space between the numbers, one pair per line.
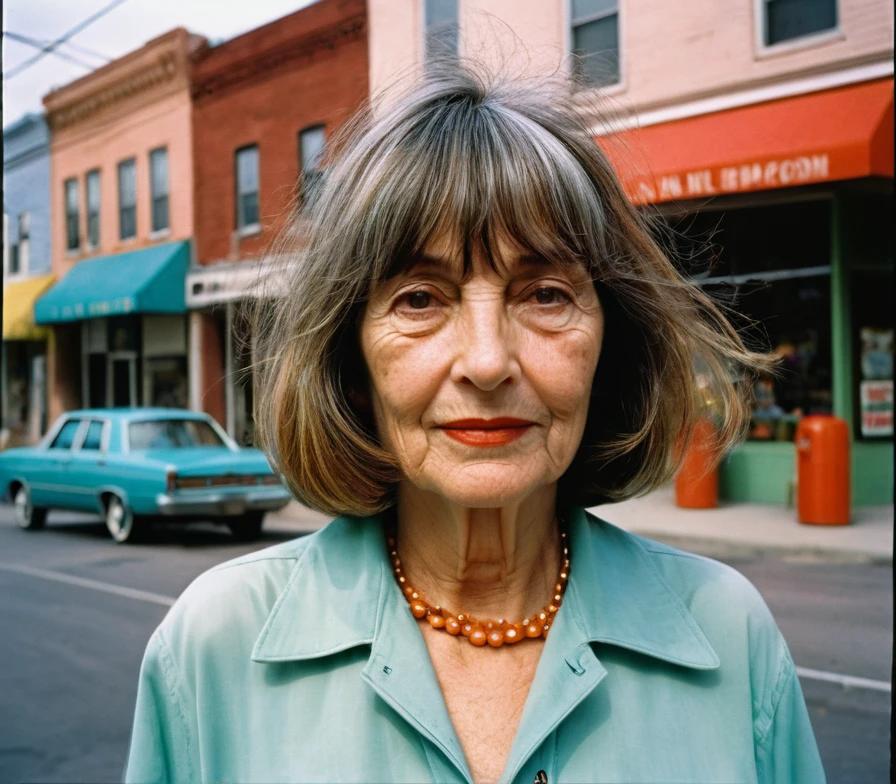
223, 504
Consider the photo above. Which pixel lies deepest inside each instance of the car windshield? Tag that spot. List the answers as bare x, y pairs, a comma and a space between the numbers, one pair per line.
167, 433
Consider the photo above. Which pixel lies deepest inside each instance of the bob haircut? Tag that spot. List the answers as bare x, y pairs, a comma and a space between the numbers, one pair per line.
464, 156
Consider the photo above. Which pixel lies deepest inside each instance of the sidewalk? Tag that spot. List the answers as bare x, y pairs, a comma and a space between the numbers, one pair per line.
869, 536
732, 528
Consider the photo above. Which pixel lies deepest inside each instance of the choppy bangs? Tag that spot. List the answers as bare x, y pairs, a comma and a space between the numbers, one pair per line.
472, 172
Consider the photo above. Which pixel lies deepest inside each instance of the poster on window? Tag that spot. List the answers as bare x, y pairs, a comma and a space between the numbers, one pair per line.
876, 387
877, 407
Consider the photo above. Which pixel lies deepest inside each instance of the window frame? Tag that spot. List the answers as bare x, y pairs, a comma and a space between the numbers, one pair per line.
72, 219
93, 173
245, 229
316, 171
120, 166
159, 231
762, 50
425, 32
607, 89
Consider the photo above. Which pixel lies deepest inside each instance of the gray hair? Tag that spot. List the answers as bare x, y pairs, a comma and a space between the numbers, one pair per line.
465, 156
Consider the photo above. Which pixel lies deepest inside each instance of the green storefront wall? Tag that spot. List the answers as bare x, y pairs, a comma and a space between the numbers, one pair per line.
765, 472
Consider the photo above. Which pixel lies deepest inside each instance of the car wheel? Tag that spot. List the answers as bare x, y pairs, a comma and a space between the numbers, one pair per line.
28, 516
121, 521
248, 527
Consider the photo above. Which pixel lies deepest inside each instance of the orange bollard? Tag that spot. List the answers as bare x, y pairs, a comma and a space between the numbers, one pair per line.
697, 482
822, 453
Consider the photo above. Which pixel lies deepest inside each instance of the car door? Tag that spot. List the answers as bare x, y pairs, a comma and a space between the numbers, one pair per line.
50, 479
87, 465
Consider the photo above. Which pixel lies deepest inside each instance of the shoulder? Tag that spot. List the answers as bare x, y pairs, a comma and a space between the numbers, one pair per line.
726, 605
227, 605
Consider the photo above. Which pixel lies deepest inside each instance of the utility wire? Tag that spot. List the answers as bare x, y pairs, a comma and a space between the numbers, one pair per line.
27, 39
63, 38
24, 39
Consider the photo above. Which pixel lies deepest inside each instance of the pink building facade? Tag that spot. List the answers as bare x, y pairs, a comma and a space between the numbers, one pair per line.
121, 184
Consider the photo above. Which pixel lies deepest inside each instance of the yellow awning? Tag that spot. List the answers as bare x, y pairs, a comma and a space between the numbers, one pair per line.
18, 308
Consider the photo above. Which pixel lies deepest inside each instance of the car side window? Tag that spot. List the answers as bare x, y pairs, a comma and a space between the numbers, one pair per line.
66, 436
94, 435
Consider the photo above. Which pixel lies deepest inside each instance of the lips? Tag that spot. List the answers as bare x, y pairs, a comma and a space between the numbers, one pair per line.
487, 432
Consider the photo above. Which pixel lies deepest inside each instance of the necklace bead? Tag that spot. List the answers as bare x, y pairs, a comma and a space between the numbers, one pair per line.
482, 632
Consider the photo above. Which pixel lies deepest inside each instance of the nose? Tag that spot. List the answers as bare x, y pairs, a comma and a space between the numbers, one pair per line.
486, 355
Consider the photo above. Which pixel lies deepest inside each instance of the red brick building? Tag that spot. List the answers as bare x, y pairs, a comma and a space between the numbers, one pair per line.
263, 105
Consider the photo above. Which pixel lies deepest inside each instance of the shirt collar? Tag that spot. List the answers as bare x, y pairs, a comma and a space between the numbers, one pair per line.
334, 595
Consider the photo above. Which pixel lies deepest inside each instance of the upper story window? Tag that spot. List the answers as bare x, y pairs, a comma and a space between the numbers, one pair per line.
595, 42
440, 28
93, 208
72, 215
158, 185
127, 199
246, 164
19, 252
311, 150
785, 20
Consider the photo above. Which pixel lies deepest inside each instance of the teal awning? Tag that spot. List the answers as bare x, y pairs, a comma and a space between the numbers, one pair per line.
150, 280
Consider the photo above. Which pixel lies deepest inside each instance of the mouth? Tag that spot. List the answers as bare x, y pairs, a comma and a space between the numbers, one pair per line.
487, 432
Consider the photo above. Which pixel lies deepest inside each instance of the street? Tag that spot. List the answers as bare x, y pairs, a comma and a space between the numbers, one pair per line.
77, 610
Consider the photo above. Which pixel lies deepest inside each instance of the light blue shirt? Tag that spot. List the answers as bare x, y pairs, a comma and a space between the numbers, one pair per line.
302, 663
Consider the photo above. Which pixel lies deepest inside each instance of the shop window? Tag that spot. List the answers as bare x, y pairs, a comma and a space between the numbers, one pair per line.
166, 380
72, 215
93, 208
786, 20
311, 150
872, 329
158, 184
769, 269
127, 199
440, 29
246, 164
595, 42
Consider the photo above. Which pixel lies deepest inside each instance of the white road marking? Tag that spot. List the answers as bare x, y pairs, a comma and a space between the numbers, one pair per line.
847, 681
96, 585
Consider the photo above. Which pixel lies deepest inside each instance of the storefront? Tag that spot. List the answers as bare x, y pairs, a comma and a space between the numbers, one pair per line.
125, 317
222, 343
782, 211
24, 357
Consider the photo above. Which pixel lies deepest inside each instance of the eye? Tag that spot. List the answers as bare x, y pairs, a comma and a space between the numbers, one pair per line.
417, 305
418, 300
550, 295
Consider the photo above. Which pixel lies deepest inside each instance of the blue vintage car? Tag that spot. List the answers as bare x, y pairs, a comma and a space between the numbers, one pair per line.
134, 464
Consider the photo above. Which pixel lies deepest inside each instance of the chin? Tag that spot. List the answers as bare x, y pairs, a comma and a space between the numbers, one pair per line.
488, 489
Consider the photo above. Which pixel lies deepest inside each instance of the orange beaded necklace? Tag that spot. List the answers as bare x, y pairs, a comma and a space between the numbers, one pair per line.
480, 631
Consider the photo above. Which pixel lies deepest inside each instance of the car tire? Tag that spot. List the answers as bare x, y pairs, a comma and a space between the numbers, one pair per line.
248, 527
28, 516
121, 522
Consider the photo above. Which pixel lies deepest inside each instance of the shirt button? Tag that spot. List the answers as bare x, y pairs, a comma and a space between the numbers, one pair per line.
540, 778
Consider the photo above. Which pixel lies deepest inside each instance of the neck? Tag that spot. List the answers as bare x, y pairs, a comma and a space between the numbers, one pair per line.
491, 563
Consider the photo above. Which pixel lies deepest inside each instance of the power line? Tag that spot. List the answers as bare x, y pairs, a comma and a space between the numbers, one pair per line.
24, 39
63, 38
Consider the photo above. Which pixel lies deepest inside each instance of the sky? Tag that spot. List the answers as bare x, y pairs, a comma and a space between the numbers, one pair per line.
125, 28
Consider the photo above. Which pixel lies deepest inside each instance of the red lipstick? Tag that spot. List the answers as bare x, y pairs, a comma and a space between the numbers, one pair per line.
487, 432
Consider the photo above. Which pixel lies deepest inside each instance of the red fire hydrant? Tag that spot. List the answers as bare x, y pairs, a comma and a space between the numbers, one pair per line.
823, 474
697, 482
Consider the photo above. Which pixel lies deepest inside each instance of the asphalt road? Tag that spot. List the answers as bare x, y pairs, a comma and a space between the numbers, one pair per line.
70, 654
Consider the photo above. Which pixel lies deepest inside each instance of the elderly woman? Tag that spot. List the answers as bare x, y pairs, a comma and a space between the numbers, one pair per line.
480, 338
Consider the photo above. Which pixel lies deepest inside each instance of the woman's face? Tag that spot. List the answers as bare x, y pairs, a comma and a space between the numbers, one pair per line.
480, 387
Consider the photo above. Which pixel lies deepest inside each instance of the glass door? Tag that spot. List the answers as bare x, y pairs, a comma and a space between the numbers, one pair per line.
122, 379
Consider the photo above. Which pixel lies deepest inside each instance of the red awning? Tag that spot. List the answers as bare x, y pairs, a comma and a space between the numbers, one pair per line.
837, 134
